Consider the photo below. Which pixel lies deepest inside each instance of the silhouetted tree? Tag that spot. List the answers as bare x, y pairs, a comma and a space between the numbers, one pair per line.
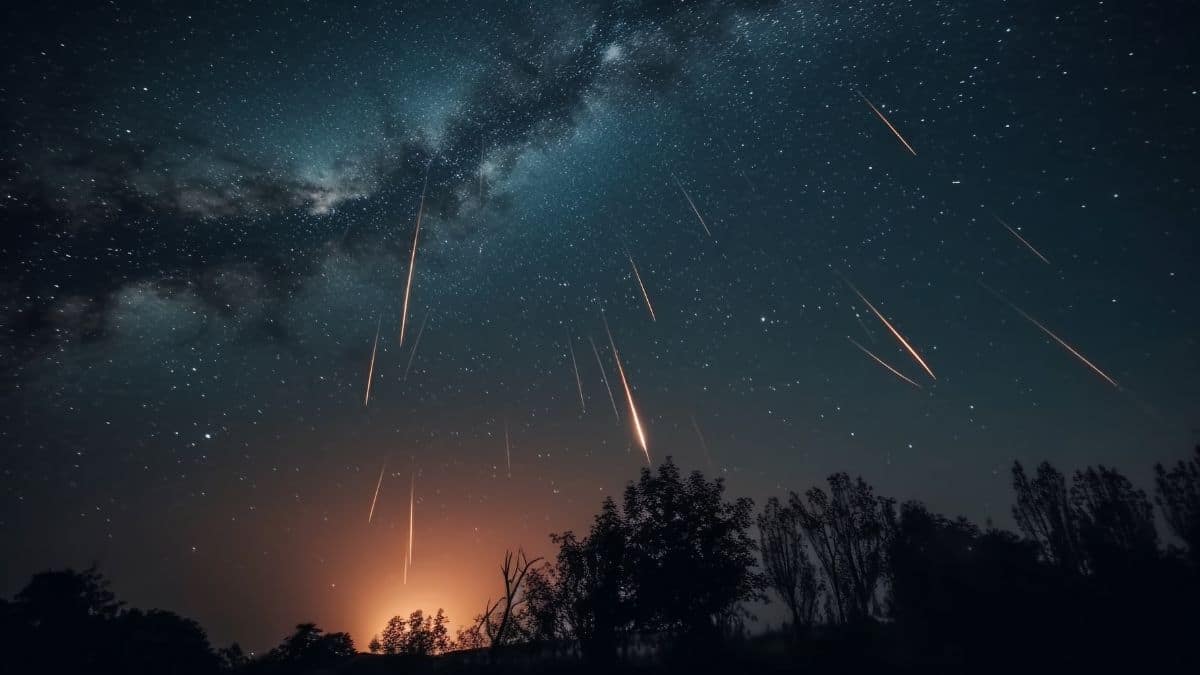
584, 594
498, 618
1115, 520
1043, 513
68, 617
789, 571
849, 529
156, 642
1178, 495
232, 657
311, 647
690, 560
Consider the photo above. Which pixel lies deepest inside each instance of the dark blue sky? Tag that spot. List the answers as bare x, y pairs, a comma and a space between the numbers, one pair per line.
207, 211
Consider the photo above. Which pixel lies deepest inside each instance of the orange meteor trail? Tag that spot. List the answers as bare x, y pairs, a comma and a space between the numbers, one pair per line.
1021, 239
377, 486
604, 376
633, 413
371, 369
895, 332
416, 343
889, 124
411, 507
883, 363
412, 260
507, 449
637, 275
1057, 339
575, 365
693, 205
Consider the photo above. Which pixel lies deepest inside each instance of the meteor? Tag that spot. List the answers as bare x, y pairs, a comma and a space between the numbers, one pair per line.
633, 413
889, 124
883, 363
412, 501
604, 376
416, 343
637, 275
895, 332
507, 449
1074, 352
1021, 239
575, 365
377, 486
703, 445
412, 260
371, 369
693, 205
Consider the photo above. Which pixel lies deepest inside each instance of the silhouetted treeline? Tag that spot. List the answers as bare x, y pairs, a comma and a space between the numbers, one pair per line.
662, 580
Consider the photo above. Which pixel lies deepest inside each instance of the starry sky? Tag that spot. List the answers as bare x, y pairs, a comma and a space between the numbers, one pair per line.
208, 211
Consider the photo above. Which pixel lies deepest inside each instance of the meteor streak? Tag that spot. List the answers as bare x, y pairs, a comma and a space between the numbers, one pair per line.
416, 343
377, 486
633, 413
412, 260
895, 332
412, 501
889, 124
1074, 352
604, 376
883, 363
1021, 239
371, 369
637, 275
693, 205
575, 365
507, 449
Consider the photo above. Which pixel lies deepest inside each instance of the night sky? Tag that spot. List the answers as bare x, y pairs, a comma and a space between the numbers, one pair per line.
208, 211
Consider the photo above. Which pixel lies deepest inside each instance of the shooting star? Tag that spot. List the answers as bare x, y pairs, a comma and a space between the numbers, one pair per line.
604, 376
1074, 352
703, 444
883, 363
893, 330
416, 343
575, 365
637, 275
633, 413
378, 485
693, 205
371, 368
412, 260
507, 449
889, 124
412, 502
1021, 239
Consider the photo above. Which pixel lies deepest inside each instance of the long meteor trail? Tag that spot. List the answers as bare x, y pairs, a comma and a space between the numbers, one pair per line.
896, 333
416, 343
889, 124
1021, 239
693, 205
633, 413
883, 363
604, 376
575, 366
507, 449
646, 296
371, 369
412, 502
412, 259
378, 485
1074, 352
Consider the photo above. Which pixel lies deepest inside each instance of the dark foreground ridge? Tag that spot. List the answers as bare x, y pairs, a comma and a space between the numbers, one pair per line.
660, 584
